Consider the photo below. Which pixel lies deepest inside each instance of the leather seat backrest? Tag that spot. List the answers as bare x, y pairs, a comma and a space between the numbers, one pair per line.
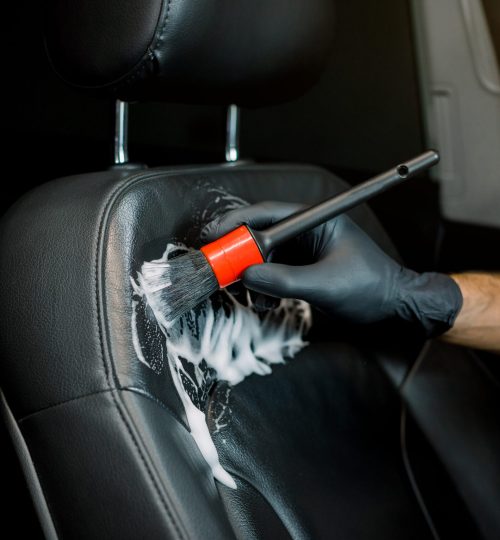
107, 432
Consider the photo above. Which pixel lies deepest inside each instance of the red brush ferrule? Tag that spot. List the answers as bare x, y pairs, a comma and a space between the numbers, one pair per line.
232, 254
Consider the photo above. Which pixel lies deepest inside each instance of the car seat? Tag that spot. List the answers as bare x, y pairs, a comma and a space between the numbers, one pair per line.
318, 448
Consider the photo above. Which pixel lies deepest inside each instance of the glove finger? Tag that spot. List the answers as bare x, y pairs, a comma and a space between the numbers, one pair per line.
263, 302
239, 292
257, 216
278, 280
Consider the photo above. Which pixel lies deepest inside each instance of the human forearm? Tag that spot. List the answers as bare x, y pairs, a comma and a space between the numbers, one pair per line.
478, 323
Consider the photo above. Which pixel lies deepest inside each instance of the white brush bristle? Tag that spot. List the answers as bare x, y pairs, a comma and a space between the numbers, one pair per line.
178, 285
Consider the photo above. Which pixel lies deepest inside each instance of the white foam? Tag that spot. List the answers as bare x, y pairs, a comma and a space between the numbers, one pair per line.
222, 340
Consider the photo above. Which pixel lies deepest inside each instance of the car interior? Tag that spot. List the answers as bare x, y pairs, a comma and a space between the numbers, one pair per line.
127, 124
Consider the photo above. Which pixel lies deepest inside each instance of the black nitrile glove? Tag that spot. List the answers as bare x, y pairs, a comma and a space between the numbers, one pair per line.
339, 269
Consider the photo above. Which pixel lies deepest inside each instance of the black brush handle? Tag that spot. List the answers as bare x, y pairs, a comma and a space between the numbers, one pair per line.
309, 218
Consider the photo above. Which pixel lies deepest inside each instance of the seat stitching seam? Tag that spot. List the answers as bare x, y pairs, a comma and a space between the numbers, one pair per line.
151, 397
63, 402
150, 53
154, 481
131, 74
132, 389
148, 469
162, 31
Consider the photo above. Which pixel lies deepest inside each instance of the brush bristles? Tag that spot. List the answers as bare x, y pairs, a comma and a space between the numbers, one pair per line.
178, 285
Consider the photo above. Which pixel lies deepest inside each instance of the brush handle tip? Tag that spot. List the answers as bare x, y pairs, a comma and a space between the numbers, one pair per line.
320, 213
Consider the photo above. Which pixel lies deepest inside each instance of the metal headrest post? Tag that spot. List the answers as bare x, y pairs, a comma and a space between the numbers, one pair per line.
233, 134
121, 133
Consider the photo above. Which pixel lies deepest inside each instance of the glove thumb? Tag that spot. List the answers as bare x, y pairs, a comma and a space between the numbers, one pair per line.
279, 280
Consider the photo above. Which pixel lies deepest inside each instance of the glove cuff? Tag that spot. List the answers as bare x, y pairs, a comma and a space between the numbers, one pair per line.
430, 299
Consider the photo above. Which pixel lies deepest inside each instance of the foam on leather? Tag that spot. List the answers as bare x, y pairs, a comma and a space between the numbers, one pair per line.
203, 51
220, 340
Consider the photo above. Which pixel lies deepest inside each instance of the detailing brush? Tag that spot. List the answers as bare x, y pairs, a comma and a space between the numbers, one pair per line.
175, 286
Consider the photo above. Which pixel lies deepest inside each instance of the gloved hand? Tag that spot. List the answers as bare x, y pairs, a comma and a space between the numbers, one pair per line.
339, 269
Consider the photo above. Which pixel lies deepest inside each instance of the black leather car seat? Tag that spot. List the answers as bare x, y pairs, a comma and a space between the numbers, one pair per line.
104, 441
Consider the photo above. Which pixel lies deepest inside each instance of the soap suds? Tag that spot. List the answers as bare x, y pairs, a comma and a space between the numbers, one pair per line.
220, 340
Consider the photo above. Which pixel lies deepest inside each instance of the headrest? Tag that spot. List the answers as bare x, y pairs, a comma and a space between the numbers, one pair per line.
247, 52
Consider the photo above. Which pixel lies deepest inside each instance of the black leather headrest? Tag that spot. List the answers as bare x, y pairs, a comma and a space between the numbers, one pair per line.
248, 52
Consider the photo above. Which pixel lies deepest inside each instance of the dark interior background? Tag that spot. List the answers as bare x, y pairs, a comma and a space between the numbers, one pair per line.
362, 117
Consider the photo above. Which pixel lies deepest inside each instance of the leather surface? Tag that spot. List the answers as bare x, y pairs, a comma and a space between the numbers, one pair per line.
101, 227
319, 439
203, 51
118, 466
107, 433
455, 402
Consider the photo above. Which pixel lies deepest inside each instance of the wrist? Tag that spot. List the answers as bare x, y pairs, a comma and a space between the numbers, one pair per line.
478, 322
431, 300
